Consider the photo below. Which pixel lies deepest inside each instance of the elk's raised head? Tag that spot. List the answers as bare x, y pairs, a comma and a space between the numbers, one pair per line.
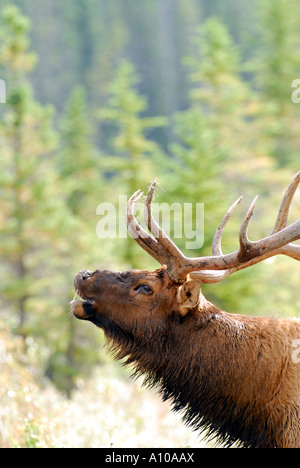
132, 299
175, 287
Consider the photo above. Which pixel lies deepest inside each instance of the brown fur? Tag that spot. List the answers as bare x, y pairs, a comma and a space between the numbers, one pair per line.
231, 375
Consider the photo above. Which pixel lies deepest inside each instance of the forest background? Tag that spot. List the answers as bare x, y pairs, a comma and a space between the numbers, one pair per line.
101, 97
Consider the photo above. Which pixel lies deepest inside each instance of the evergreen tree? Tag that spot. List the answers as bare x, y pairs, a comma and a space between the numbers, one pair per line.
48, 199
78, 159
132, 164
277, 66
82, 185
203, 131
226, 99
28, 181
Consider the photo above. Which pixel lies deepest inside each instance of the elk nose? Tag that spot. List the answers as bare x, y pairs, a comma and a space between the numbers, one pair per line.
81, 276
85, 274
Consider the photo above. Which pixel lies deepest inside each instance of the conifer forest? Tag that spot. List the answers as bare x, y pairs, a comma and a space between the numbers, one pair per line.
98, 98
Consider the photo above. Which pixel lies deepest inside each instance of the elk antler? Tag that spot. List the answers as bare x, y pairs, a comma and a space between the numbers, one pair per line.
218, 266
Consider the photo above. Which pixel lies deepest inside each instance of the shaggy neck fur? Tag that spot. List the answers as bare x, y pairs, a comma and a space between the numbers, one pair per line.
211, 367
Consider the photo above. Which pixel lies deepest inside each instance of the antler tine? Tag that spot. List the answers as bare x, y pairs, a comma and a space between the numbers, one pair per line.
216, 276
133, 227
216, 246
210, 276
150, 221
283, 214
148, 243
162, 238
243, 238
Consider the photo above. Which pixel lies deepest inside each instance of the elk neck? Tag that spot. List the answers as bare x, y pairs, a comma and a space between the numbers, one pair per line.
208, 365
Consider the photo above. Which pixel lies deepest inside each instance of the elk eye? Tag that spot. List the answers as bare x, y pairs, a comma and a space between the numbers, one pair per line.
143, 288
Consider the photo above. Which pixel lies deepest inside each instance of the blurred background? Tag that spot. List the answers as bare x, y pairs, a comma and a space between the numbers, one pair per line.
103, 96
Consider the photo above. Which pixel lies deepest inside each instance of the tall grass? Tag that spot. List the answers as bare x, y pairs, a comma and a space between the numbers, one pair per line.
108, 410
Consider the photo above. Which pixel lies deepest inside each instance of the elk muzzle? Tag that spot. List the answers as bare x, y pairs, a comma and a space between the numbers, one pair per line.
82, 308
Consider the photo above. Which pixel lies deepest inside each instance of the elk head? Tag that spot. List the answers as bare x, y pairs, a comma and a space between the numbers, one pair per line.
138, 296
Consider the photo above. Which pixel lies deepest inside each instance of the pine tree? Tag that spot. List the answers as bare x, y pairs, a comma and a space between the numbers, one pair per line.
229, 104
203, 145
46, 194
132, 163
27, 180
277, 66
77, 162
79, 159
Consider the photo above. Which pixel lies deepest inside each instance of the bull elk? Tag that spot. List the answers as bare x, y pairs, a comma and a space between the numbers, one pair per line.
233, 376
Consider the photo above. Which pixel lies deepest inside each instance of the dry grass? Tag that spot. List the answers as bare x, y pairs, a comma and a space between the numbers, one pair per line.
109, 410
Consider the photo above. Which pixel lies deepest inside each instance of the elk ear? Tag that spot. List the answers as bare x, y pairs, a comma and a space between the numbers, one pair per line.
188, 296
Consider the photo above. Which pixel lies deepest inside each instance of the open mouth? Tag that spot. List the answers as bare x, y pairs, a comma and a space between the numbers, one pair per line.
82, 306
82, 298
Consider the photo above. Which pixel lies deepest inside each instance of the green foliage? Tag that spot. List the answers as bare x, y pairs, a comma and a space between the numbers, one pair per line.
39, 208
15, 54
124, 111
277, 67
132, 163
219, 58
27, 181
78, 159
